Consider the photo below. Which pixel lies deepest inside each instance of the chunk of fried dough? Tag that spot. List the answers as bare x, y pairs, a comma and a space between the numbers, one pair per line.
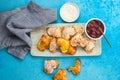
79, 30
43, 43
63, 44
50, 65
67, 32
60, 75
53, 45
71, 50
78, 40
54, 32
90, 46
76, 68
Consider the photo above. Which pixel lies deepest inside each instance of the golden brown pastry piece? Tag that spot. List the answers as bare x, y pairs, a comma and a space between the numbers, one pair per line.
63, 44
67, 32
50, 65
71, 50
60, 75
78, 40
79, 30
90, 46
82, 41
53, 45
54, 32
74, 40
76, 68
43, 42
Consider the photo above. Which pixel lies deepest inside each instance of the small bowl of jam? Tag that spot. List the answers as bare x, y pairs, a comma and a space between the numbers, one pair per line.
95, 28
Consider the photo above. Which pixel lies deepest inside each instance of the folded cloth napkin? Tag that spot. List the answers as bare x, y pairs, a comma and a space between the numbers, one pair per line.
15, 24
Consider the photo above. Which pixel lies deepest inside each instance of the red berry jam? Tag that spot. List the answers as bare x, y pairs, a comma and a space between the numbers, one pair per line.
93, 28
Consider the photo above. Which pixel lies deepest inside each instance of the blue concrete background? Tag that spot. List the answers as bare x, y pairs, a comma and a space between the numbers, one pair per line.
104, 67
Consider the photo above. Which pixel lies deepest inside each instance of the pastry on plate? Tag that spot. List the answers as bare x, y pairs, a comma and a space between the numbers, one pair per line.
71, 50
63, 44
78, 40
79, 30
76, 68
90, 46
74, 40
67, 32
50, 65
43, 43
60, 75
53, 45
54, 32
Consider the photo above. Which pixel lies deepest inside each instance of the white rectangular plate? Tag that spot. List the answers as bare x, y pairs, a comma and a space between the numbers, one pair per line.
37, 33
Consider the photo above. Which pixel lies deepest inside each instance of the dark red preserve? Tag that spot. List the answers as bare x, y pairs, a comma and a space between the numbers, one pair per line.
93, 28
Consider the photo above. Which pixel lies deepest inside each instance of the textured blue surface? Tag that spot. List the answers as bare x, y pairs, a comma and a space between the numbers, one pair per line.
104, 67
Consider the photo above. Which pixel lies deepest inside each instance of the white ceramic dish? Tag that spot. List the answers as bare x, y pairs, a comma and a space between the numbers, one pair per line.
103, 25
37, 33
69, 12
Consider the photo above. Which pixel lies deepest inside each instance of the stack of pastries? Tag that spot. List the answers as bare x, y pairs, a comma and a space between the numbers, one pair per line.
66, 39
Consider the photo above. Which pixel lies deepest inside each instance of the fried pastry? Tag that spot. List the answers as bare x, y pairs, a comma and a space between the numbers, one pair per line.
60, 75
71, 50
67, 32
74, 40
63, 44
82, 41
53, 45
79, 30
76, 68
54, 32
90, 46
78, 40
43, 42
50, 65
